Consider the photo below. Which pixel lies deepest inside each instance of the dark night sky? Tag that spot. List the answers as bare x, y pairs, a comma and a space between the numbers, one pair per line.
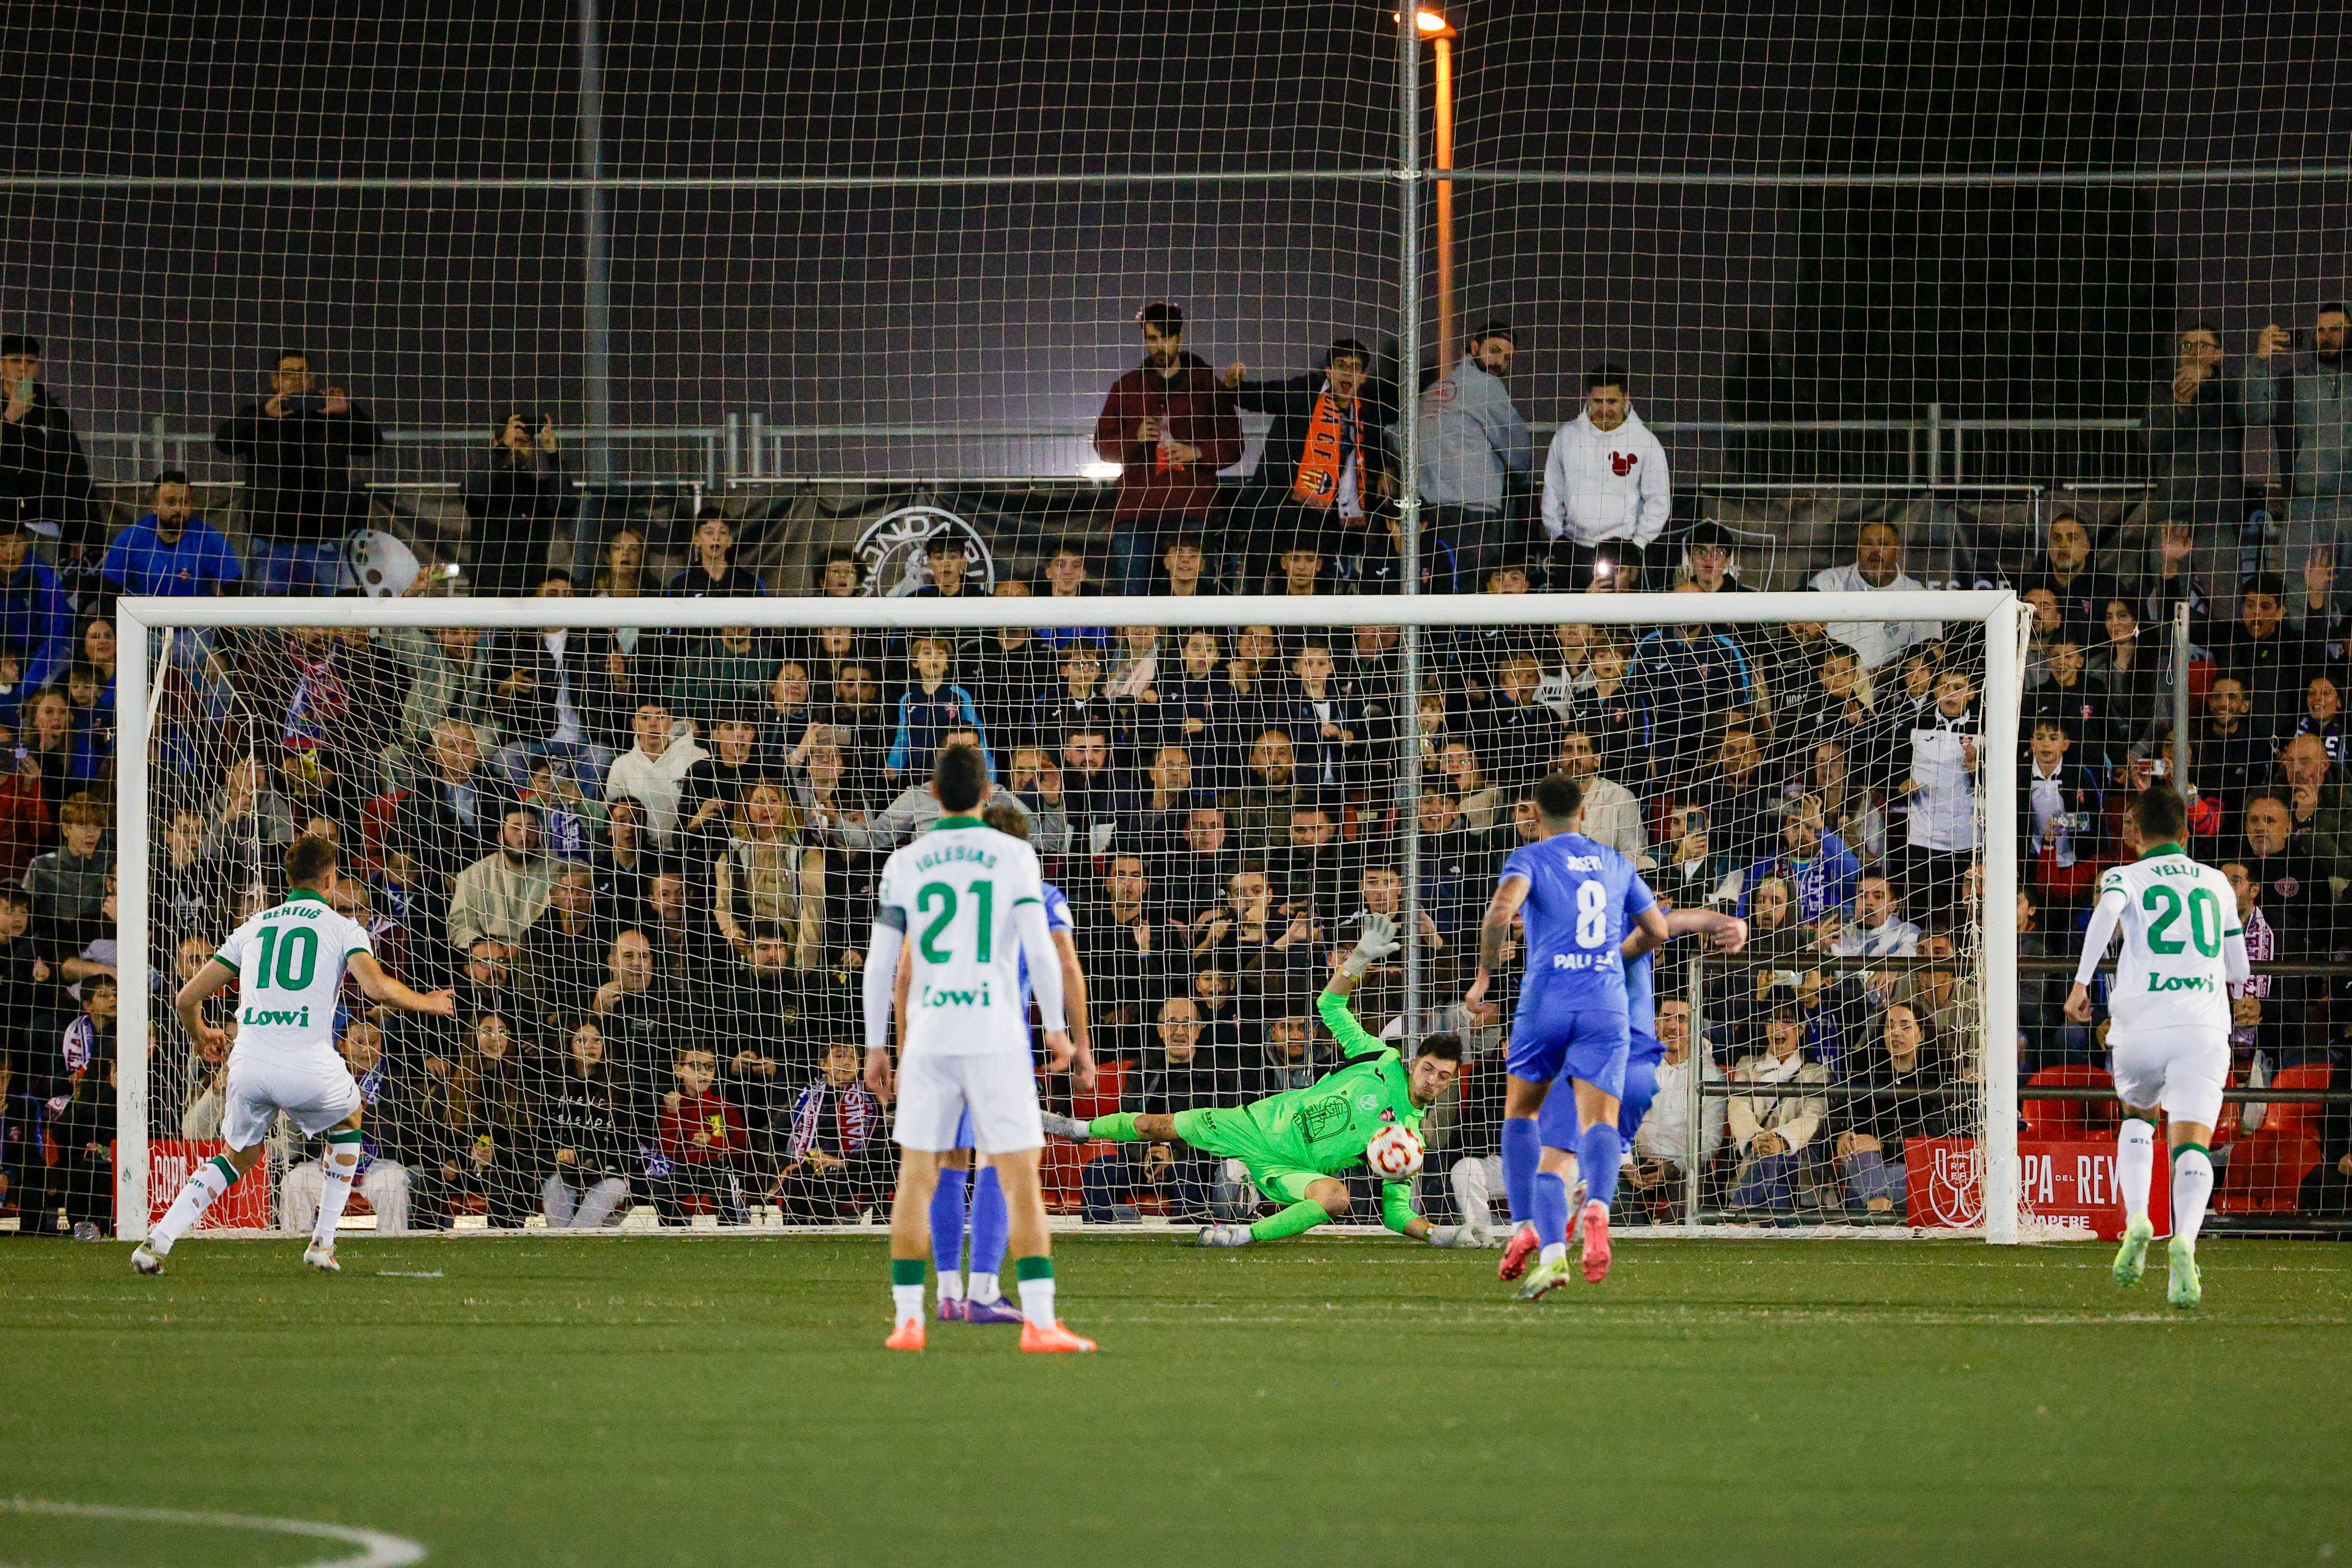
1013, 305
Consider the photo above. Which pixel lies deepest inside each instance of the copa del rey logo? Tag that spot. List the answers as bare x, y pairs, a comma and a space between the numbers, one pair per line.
1622, 463
1956, 1184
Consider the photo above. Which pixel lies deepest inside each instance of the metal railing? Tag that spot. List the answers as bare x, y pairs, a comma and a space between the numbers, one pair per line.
744, 448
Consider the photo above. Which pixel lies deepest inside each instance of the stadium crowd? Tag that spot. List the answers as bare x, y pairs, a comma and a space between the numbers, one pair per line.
644, 858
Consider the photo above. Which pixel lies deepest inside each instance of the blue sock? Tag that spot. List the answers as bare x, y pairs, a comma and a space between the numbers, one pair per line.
947, 1223
1551, 1209
1522, 1152
1641, 1090
1596, 1162
991, 1224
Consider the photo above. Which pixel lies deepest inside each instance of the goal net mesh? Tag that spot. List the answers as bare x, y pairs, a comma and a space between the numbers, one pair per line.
644, 860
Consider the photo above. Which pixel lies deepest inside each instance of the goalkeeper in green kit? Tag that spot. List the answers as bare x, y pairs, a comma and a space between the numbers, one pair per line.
1298, 1145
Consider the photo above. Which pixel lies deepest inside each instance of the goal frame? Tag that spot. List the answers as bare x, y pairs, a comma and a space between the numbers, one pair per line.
1998, 611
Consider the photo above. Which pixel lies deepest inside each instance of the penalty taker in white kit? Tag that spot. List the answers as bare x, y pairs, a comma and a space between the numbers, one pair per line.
2183, 947
288, 964
963, 905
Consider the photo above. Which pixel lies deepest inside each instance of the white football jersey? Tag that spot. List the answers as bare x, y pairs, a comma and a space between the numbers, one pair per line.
953, 893
2178, 918
290, 966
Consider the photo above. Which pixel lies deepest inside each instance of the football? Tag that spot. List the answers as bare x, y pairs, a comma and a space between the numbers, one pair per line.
1394, 1154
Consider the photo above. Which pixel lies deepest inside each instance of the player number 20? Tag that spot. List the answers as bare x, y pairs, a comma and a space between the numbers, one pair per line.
1592, 915
2204, 920
297, 959
940, 896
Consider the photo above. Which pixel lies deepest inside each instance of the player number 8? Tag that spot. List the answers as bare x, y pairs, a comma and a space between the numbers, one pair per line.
1592, 915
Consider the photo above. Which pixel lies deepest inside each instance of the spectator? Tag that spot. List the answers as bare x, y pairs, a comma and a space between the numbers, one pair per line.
1878, 929
2059, 813
491, 1115
1182, 566
2322, 715
765, 877
1170, 427
728, 676
442, 673
1515, 728
2232, 750
24, 1169
516, 497
1292, 1057
2283, 862
1450, 865
621, 573
702, 1137
67, 887
1820, 871
587, 1182
2263, 651
715, 574
2315, 406
653, 772
931, 708
1909, 1077
1125, 940
1689, 681
948, 561
563, 950
381, 1179
1182, 1070
1474, 448
1067, 578
1611, 816
913, 809
447, 821
1482, 804
1662, 1145
171, 553
81, 1113
502, 895
2195, 429
1317, 710
1605, 483
832, 1168
1323, 465
549, 696
2081, 593
36, 618
297, 446
1878, 567
1261, 808
44, 475
1078, 703
1939, 786
1770, 1129
1692, 872
2065, 690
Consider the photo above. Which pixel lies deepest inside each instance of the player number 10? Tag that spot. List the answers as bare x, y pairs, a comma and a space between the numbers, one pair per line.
943, 897
301, 943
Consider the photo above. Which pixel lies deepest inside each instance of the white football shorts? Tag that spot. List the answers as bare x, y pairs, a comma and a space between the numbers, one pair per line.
2181, 1069
997, 1088
315, 1091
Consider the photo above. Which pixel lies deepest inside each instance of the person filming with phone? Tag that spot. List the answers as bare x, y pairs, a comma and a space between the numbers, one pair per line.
514, 498
298, 444
44, 475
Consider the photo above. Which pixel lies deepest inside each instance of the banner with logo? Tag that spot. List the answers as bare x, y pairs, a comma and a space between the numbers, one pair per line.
247, 1206
2069, 1185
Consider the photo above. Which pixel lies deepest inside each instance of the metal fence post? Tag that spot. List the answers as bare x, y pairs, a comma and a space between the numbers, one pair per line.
2180, 698
1409, 497
1701, 1053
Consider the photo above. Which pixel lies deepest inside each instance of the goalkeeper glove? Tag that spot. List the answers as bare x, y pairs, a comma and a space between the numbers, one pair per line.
1379, 940
1456, 1236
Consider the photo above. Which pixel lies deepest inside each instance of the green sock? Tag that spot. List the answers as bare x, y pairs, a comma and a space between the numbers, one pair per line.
1304, 1215
1119, 1127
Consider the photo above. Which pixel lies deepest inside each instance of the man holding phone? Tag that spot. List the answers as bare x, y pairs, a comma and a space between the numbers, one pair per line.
298, 444
2314, 402
44, 475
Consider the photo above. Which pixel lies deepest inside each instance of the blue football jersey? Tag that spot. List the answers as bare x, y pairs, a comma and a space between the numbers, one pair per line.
1581, 896
1058, 918
1642, 994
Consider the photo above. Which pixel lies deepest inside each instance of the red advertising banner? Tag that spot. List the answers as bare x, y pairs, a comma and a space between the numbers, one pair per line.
2069, 1185
245, 1206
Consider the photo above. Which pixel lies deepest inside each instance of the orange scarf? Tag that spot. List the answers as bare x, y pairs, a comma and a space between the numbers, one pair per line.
1317, 483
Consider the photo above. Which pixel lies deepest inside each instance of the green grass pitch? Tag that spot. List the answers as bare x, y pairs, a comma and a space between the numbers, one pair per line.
724, 1401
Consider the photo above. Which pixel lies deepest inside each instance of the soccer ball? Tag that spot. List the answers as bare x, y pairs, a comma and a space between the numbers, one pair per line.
1394, 1154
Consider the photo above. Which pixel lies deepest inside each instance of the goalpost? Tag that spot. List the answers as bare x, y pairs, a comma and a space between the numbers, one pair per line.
1247, 835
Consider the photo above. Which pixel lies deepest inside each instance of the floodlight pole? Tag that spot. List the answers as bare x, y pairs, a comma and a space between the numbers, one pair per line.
595, 251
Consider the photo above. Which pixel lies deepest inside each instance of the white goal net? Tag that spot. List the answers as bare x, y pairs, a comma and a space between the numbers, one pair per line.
638, 840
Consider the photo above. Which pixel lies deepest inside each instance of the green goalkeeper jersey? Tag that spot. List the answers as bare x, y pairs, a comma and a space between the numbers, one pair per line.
1325, 1126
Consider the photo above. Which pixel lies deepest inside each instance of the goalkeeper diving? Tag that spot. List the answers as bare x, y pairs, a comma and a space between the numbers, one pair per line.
1298, 1145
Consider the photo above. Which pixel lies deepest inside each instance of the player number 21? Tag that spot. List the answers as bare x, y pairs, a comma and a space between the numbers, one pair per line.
1592, 915
940, 895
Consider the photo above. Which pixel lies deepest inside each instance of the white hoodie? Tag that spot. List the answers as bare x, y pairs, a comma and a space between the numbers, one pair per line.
655, 783
1609, 484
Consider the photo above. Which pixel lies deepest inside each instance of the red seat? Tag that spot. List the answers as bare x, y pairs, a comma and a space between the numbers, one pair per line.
2265, 1170
1110, 1079
2070, 1118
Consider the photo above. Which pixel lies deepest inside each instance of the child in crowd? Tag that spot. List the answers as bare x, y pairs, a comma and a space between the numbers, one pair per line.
929, 709
701, 1134
830, 1170
81, 1109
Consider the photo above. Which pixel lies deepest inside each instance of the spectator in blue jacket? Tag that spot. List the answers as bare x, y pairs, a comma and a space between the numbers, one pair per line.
171, 553
34, 617
931, 709
1474, 445
1816, 862
1686, 679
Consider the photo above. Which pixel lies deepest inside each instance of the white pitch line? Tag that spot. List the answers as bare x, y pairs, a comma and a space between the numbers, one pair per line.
382, 1551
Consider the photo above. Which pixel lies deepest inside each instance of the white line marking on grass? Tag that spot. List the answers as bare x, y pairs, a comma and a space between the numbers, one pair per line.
382, 1551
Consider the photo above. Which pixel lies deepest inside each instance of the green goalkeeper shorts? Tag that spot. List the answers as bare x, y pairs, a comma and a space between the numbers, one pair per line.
1233, 1135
